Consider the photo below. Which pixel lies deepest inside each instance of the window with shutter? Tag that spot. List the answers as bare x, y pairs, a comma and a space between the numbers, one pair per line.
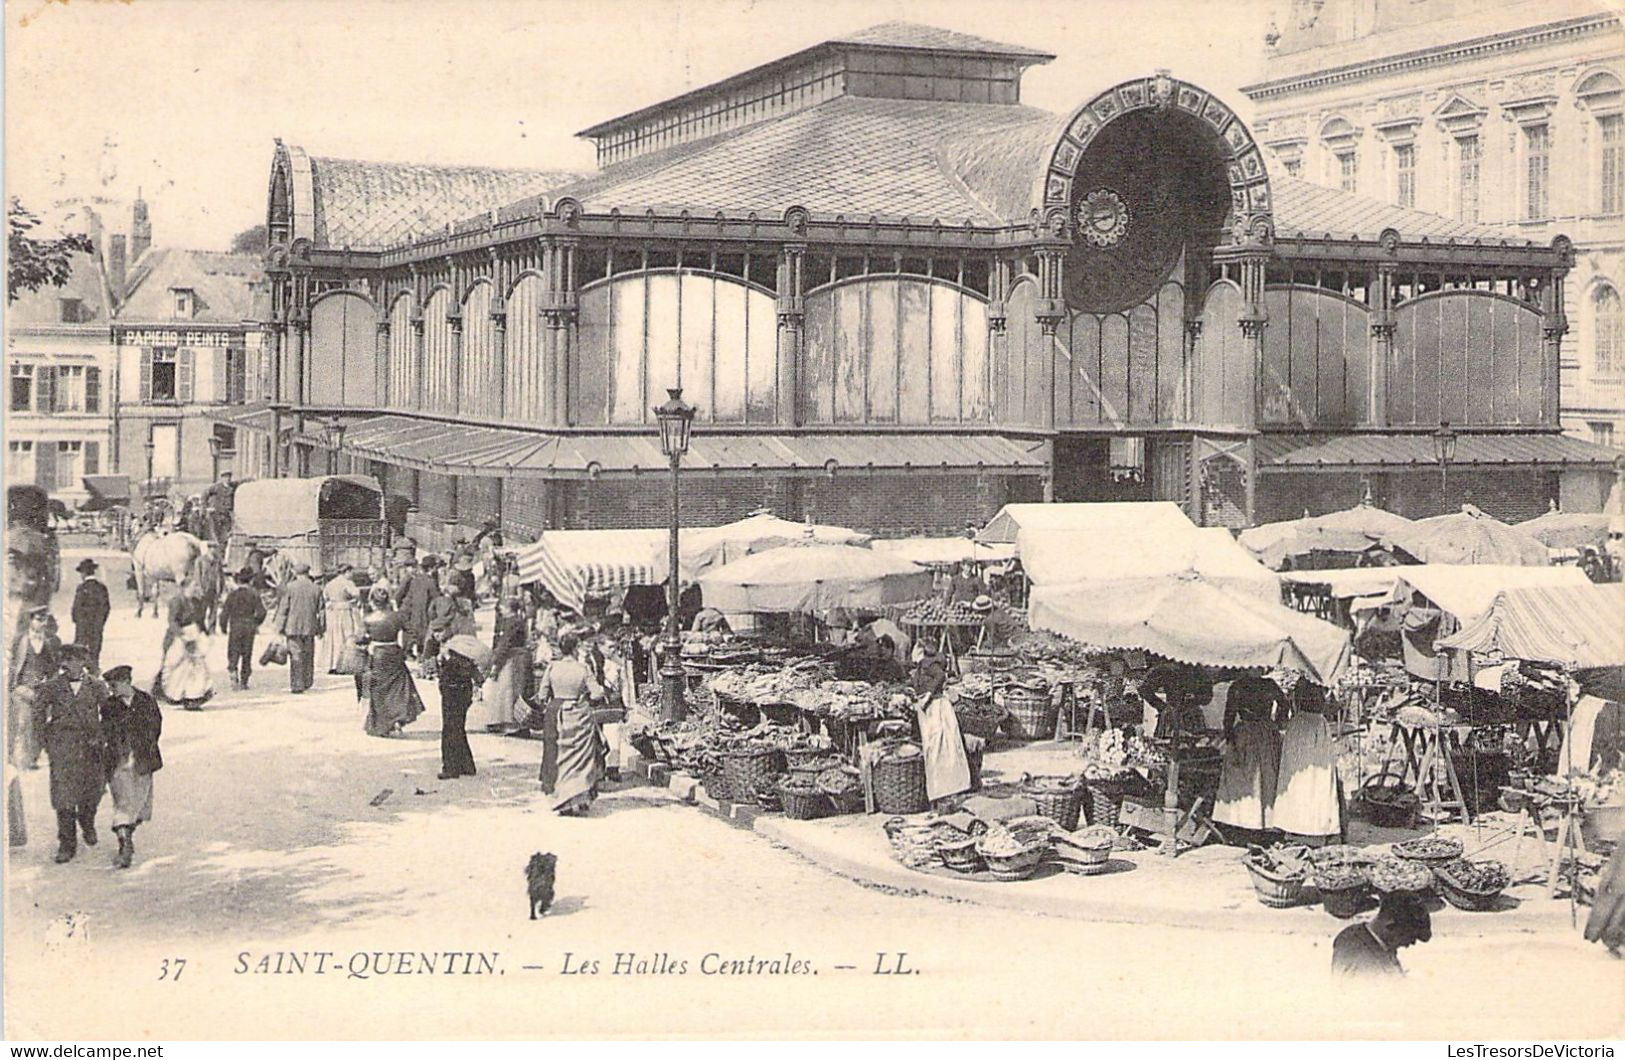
187, 374
93, 457
46, 389
146, 376
222, 371
93, 389
45, 466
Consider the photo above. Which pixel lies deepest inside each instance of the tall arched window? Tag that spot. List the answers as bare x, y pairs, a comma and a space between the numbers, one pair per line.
1606, 332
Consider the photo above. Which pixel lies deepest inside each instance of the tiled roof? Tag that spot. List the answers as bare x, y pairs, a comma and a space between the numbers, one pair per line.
1297, 452
914, 35
852, 155
43, 308
222, 284
1312, 211
368, 205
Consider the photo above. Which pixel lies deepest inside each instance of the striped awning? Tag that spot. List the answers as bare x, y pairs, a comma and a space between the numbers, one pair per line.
1575, 625
570, 564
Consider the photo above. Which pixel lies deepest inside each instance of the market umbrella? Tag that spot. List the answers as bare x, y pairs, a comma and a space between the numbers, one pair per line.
1556, 529
471, 648
1468, 536
1356, 529
714, 546
808, 578
1189, 619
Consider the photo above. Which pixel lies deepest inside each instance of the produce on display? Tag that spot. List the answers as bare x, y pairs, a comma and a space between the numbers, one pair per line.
1396, 874
1429, 848
1480, 876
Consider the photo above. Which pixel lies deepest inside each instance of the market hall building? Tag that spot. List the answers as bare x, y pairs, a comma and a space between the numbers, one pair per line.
900, 299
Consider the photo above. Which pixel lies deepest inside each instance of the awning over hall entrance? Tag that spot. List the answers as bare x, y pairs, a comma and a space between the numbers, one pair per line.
464, 449
1385, 452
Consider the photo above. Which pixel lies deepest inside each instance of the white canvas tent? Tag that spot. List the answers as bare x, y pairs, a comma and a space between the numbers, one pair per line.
1063, 558
811, 578
709, 547
1466, 591
945, 550
1124, 516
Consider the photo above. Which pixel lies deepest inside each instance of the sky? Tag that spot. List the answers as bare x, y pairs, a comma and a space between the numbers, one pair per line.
183, 99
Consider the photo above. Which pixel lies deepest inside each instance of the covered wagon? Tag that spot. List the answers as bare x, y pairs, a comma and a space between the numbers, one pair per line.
322, 521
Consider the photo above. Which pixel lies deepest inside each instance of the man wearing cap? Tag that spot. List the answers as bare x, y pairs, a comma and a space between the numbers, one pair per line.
73, 742
131, 725
241, 615
1372, 947
90, 610
299, 619
34, 660
462, 575
417, 589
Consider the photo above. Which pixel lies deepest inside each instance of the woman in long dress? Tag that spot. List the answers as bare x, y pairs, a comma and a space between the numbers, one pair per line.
511, 657
1306, 802
1250, 771
342, 600
184, 679
392, 698
572, 750
947, 767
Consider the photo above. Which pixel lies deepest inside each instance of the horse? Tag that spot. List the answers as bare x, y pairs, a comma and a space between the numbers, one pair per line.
160, 557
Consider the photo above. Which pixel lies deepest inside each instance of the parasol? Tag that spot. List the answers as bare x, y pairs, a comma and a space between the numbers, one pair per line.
1356, 529
1468, 536
1556, 529
716, 546
809, 578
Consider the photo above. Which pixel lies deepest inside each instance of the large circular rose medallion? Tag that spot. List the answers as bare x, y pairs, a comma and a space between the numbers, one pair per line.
1103, 217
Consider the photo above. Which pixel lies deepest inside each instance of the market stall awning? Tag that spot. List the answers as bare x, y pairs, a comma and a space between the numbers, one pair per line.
1343, 452
1103, 516
1354, 529
1191, 620
106, 491
1466, 591
945, 551
284, 507
1556, 529
716, 546
433, 445
1468, 537
1572, 625
1069, 557
1351, 581
572, 563
803, 579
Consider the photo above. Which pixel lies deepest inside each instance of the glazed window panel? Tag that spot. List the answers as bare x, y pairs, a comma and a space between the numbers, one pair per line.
974, 377
661, 366
696, 315
1171, 353
1114, 360
1142, 364
437, 343
1608, 357
762, 371
479, 390
402, 356
1083, 343
850, 370
1537, 171
733, 351
883, 340
1611, 164
945, 352
624, 309
818, 359
524, 376
914, 364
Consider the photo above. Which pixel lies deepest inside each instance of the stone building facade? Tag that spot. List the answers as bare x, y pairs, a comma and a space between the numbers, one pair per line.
1508, 114
900, 298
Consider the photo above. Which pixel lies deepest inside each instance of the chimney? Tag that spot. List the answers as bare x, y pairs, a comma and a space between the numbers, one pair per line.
116, 266
140, 229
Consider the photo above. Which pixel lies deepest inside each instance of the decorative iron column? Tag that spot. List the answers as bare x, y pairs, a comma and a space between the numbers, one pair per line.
1382, 344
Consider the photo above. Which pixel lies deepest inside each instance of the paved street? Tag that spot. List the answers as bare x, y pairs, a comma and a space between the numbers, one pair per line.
281, 827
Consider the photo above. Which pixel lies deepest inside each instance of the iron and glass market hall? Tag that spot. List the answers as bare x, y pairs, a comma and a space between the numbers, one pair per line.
900, 298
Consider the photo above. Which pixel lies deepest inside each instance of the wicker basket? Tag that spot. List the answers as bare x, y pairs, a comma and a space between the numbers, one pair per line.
1012, 867
805, 757
803, 805
960, 854
1465, 900
1090, 860
767, 797
1032, 714
899, 784
1061, 806
1105, 801
979, 718
1345, 902
714, 785
743, 771
1281, 892
1385, 800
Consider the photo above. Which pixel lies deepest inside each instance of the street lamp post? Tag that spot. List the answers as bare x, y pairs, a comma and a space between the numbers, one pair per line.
1444, 451
214, 456
333, 438
152, 468
676, 419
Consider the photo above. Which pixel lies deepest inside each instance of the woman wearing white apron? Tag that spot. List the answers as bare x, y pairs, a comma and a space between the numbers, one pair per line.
1306, 802
1250, 772
341, 600
947, 768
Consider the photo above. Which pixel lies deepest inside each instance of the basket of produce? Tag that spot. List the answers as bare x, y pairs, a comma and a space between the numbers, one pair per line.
802, 799
1386, 800
1343, 888
1058, 798
797, 757
1009, 856
744, 767
915, 841
1473, 886
714, 784
811, 767
1103, 798
1429, 849
1398, 876
844, 787
1092, 849
960, 854
1280, 877
898, 777
1033, 712
767, 795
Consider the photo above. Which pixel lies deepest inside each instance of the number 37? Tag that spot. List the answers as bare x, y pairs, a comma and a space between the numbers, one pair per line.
171, 969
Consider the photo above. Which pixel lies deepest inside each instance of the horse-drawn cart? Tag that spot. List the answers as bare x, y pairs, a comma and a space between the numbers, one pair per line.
323, 521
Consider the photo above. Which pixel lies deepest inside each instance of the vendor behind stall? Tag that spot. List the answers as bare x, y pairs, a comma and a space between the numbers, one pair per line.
1175, 693
1250, 771
1308, 804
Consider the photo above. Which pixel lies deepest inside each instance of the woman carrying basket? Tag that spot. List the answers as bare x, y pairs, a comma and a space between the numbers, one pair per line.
572, 750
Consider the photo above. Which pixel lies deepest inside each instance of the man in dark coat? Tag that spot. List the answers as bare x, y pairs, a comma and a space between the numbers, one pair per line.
34, 660
1372, 947
90, 610
241, 617
416, 592
74, 743
131, 725
301, 618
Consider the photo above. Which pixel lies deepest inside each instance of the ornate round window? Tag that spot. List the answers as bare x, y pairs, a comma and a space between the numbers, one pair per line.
1103, 217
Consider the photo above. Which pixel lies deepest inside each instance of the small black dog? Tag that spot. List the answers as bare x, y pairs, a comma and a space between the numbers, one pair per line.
539, 873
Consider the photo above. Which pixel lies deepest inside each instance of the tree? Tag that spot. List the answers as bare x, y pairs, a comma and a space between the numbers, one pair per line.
250, 241
36, 263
